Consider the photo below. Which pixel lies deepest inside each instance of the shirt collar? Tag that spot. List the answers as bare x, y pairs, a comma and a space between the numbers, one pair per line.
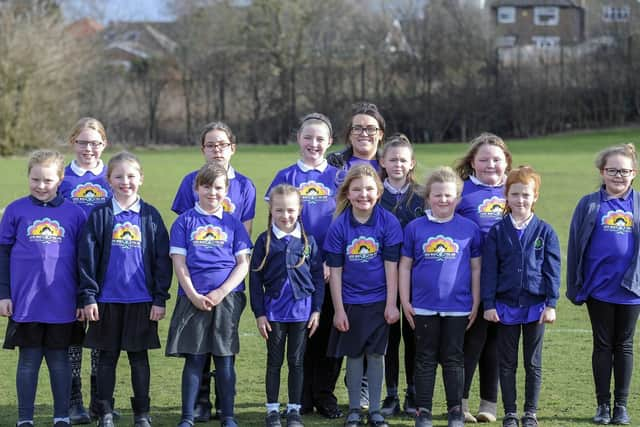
523, 225
435, 218
217, 214
55, 202
476, 181
119, 209
81, 171
606, 197
369, 222
280, 234
393, 190
306, 168
231, 172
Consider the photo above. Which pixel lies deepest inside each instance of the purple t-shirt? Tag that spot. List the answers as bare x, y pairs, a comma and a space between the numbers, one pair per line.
318, 190
353, 161
441, 253
87, 190
362, 248
481, 204
43, 257
125, 280
210, 245
285, 308
609, 253
240, 201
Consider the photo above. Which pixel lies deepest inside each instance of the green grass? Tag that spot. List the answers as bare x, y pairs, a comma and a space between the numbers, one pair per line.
567, 397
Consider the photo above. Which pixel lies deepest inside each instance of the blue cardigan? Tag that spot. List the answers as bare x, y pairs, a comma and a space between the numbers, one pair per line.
409, 207
306, 280
95, 248
520, 273
582, 224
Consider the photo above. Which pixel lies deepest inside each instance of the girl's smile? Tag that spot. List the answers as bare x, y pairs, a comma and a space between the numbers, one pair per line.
210, 197
443, 199
314, 139
617, 185
363, 194
365, 144
88, 147
285, 209
125, 181
489, 164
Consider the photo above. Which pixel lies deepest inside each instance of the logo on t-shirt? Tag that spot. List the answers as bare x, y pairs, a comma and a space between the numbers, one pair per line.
228, 206
89, 193
314, 192
491, 208
126, 235
362, 249
208, 236
440, 248
45, 230
617, 221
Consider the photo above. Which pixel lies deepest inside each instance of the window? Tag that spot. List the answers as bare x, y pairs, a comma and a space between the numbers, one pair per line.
506, 15
545, 41
546, 15
616, 13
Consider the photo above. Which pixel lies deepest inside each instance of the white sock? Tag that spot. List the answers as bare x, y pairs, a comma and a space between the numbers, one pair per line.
273, 407
64, 419
293, 407
25, 422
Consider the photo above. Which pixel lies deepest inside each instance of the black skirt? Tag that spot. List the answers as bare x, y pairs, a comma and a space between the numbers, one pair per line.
368, 332
123, 327
55, 336
194, 331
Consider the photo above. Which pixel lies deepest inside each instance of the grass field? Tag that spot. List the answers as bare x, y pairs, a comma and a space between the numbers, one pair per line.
567, 397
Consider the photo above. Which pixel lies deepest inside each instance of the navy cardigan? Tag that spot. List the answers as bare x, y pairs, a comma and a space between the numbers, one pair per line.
306, 280
95, 248
409, 207
520, 273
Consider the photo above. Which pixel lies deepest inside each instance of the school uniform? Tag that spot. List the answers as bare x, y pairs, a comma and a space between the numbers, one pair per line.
286, 294
602, 270
38, 249
345, 160
442, 299
484, 205
406, 205
86, 188
520, 277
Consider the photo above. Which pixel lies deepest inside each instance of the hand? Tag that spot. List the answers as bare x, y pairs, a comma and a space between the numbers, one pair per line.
314, 321
80, 315
216, 296
201, 302
472, 316
340, 321
548, 315
91, 312
391, 314
491, 315
325, 270
157, 313
6, 307
409, 312
264, 327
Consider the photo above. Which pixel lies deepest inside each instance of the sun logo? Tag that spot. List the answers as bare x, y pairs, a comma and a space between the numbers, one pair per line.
45, 230
89, 193
617, 221
228, 206
362, 249
126, 235
493, 207
440, 248
208, 236
314, 192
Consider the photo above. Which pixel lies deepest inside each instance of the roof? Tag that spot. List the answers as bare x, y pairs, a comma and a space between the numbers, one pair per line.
533, 3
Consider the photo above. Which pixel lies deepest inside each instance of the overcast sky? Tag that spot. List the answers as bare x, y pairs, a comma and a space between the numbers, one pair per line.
119, 10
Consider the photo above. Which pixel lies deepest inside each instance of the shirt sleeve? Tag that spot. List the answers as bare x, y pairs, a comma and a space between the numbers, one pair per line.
249, 201
178, 239
334, 244
408, 242
476, 242
241, 240
184, 199
256, 290
392, 239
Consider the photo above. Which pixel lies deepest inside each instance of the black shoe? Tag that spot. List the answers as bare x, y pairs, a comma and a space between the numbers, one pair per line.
202, 413
78, 414
410, 404
185, 423
294, 419
272, 419
529, 419
376, 419
25, 424
142, 420
455, 417
229, 422
331, 412
423, 418
61, 424
354, 418
510, 420
620, 415
603, 414
390, 406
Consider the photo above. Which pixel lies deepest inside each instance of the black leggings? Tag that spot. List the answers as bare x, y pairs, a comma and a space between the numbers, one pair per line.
613, 327
481, 349
392, 357
140, 377
294, 335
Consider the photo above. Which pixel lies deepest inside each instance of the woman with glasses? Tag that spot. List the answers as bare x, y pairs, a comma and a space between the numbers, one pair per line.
603, 271
85, 184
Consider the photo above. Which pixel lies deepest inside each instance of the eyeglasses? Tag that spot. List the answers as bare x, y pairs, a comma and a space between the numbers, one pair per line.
92, 144
369, 129
221, 146
622, 172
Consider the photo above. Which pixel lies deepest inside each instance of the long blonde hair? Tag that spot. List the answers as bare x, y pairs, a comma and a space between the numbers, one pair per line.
463, 165
358, 171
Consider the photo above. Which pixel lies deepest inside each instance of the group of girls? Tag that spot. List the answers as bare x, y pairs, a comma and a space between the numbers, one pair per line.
463, 257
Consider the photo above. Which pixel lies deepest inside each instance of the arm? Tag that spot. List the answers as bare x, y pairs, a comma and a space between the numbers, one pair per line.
573, 252
201, 302
340, 320
248, 225
161, 268
256, 278
551, 276
236, 277
404, 284
489, 276
5, 272
89, 257
476, 265
317, 273
391, 313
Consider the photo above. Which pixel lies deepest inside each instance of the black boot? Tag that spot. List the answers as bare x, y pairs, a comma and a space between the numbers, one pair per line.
77, 412
140, 406
105, 413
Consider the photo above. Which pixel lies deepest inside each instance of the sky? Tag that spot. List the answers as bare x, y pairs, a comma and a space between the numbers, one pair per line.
119, 10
